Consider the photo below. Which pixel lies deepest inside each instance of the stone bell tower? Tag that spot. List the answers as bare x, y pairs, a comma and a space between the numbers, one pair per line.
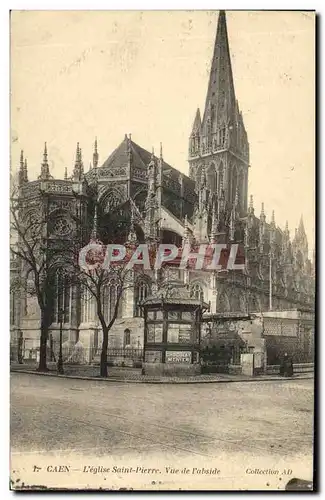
218, 144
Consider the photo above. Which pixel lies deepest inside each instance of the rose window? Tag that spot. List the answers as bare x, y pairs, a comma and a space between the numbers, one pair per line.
62, 227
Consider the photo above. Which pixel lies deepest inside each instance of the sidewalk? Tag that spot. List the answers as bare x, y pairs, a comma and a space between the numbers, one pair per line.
133, 375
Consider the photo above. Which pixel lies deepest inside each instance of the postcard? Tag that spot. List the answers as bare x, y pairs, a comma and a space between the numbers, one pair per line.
162, 269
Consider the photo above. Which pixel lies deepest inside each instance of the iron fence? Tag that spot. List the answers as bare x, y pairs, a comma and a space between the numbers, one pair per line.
27, 350
127, 353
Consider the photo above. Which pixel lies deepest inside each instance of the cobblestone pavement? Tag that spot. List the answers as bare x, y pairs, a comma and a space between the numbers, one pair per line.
235, 427
50, 413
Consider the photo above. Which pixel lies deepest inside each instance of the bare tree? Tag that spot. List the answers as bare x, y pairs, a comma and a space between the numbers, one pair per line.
96, 281
37, 263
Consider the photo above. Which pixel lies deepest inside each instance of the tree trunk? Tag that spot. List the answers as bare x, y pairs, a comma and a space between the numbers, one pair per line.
42, 367
103, 356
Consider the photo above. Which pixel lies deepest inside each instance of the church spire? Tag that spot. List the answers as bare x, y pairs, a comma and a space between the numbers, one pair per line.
221, 132
221, 92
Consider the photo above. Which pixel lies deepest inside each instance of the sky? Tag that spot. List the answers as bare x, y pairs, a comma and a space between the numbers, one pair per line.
77, 75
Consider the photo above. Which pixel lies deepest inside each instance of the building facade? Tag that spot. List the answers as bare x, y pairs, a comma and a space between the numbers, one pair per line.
136, 196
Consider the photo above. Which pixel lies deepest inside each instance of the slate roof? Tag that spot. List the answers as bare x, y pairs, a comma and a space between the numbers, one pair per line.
140, 159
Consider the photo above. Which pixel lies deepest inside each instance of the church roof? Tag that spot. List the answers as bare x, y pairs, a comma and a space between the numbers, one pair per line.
140, 159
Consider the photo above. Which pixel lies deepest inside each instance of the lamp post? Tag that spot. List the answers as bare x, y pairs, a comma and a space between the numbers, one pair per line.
60, 360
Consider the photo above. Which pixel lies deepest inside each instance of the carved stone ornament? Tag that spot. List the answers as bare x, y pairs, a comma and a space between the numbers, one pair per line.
174, 289
62, 227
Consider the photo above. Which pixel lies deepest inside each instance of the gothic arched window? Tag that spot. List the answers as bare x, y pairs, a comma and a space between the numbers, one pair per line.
220, 178
111, 201
240, 186
110, 295
12, 308
198, 143
196, 291
62, 297
234, 182
212, 178
142, 291
86, 304
209, 133
222, 136
198, 176
127, 337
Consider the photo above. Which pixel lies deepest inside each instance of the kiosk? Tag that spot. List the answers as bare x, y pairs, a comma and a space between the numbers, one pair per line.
172, 331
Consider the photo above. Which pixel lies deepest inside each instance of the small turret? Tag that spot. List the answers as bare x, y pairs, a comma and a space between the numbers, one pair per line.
262, 216
132, 236
214, 223
262, 229
251, 205
21, 173
25, 171
94, 232
95, 155
45, 170
232, 226
150, 226
78, 170
272, 230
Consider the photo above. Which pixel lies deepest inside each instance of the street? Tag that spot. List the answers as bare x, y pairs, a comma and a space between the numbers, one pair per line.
233, 426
